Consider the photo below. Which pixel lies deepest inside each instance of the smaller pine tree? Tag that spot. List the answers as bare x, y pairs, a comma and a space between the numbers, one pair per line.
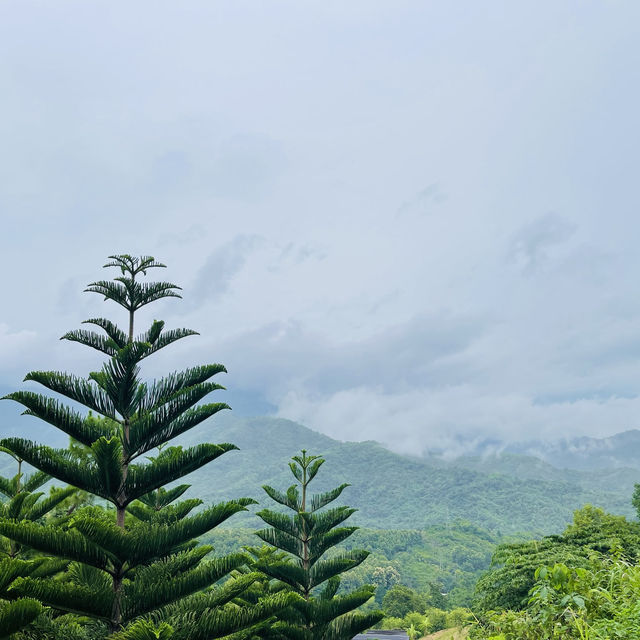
307, 534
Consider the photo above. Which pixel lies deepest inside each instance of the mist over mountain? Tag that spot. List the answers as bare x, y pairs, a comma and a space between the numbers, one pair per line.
617, 451
584, 453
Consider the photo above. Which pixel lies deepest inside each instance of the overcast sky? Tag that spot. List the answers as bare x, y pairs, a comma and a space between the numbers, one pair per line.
415, 222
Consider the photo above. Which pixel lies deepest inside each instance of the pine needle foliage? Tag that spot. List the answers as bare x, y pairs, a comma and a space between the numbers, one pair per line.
16, 615
137, 558
23, 502
307, 534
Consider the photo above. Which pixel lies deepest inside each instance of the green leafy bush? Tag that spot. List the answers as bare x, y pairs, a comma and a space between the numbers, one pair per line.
391, 623
436, 620
598, 603
458, 617
416, 620
508, 584
401, 600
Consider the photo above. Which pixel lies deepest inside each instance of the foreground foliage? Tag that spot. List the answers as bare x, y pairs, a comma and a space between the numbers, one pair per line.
595, 603
584, 584
24, 502
508, 584
429, 620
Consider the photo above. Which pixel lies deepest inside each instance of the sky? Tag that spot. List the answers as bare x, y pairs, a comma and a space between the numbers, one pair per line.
407, 221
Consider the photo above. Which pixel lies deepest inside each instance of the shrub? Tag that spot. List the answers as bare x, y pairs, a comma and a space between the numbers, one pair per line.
418, 620
436, 620
391, 623
458, 617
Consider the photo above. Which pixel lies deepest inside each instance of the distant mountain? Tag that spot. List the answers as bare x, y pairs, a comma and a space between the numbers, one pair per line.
505, 493
619, 480
511, 493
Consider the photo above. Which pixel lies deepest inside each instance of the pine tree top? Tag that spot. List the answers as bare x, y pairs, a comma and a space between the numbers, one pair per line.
125, 290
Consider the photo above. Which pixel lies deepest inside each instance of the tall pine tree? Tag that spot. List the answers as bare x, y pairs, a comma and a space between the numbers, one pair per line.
130, 564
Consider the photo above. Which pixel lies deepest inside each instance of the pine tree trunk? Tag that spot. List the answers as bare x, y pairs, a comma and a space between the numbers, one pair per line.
116, 612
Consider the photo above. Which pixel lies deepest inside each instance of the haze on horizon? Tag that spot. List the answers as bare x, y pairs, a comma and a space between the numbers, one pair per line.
414, 222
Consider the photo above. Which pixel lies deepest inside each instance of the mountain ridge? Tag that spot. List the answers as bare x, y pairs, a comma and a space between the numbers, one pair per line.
510, 492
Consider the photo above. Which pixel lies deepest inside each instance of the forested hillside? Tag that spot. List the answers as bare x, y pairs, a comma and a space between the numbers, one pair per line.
506, 494
399, 492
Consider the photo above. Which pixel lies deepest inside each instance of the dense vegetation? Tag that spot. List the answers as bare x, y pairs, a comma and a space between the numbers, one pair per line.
594, 602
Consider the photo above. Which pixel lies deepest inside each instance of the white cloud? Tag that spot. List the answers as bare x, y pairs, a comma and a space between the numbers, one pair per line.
532, 244
453, 420
17, 347
13, 343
